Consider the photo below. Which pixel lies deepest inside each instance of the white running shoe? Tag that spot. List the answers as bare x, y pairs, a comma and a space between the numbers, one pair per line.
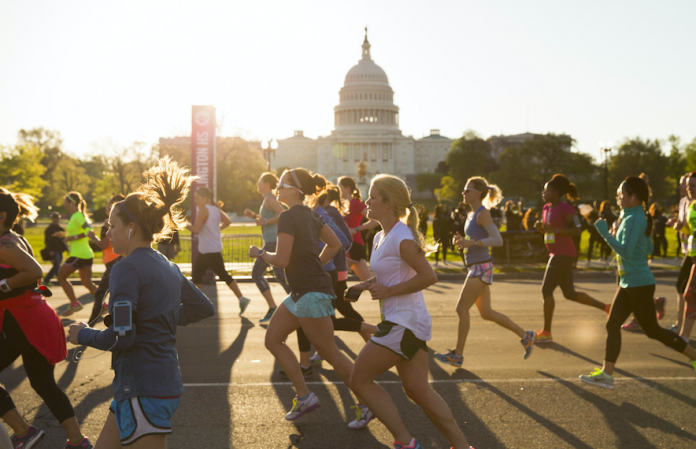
599, 378
301, 408
363, 416
316, 359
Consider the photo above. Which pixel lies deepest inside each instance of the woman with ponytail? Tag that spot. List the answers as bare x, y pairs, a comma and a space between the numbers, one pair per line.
80, 255
309, 305
147, 378
210, 221
632, 244
481, 233
31, 328
356, 211
402, 272
560, 223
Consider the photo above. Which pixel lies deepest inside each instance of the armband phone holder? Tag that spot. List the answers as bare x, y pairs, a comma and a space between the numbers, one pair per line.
122, 317
353, 294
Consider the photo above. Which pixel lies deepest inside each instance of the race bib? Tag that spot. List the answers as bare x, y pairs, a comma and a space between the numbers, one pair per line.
692, 245
619, 266
381, 309
550, 238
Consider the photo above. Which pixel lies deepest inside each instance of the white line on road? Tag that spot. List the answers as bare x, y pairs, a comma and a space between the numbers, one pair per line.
440, 381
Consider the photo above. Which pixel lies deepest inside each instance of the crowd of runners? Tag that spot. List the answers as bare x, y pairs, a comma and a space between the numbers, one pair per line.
312, 240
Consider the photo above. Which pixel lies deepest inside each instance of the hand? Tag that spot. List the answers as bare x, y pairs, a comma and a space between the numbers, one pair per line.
379, 291
254, 251
74, 330
91, 235
354, 231
249, 213
457, 240
547, 227
259, 220
539, 225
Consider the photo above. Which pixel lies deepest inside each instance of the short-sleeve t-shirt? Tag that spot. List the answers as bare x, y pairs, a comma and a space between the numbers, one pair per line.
558, 218
108, 254
76, 226
304, 271
354, 217
390, 269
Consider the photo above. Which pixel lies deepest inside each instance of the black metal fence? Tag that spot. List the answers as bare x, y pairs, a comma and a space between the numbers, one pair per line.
235, 251
521, 246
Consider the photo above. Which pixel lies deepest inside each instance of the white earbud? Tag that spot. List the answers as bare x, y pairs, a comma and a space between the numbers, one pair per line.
130, 232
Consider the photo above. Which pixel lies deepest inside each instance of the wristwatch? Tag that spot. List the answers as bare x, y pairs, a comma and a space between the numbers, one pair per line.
261, 252
4, 287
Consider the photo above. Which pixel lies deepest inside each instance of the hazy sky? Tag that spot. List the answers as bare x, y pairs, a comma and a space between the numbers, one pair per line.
130, 70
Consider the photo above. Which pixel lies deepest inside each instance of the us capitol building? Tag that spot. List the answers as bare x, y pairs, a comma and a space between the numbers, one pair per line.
366, 128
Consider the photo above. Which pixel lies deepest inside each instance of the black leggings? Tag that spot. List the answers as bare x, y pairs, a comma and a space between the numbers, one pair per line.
659, 246
213, 261
351, 323
684, 273
639, 301
559, 272
100, 294
14, 343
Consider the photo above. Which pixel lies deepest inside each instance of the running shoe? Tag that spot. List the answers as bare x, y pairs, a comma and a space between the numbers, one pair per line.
451, 358
316, 359
307, 373
543, 337
72, 308
84, 444
693, 362
268, 316
413, 445
528, 343
363, 416
301, 408
30, 439
243, 304
660, 307
632, 325
599, 378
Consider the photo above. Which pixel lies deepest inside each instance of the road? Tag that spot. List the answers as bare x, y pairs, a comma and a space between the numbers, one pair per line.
235, 398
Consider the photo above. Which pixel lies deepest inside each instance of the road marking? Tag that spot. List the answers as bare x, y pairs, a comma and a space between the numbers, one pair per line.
438, 381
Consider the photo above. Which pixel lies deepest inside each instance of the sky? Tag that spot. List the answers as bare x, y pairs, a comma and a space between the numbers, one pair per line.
131, 70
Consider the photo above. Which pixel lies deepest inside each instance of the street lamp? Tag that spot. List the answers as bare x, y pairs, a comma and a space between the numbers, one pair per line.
269, 149
606, 147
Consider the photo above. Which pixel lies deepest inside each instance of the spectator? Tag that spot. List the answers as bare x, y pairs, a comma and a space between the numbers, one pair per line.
55, 247
512, 217
595, 236
530, 218
423, 220
607, 215
442, 228
659, 236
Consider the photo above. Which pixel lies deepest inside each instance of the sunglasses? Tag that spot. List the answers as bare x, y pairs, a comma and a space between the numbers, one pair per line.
282, 185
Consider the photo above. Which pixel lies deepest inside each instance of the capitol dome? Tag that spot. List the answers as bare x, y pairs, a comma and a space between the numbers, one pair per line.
366, 99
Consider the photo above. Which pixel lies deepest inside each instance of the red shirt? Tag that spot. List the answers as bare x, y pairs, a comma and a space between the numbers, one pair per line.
558, 218
354, 217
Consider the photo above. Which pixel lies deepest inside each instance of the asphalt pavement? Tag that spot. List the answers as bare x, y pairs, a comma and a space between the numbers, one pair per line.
235, 398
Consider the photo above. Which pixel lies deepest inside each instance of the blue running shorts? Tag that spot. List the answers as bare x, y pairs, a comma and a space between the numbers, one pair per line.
142, 416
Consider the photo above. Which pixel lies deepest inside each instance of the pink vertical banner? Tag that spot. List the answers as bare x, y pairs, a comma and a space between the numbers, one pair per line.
203, 152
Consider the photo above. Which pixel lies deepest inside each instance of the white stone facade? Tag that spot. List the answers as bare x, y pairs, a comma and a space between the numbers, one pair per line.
366, 128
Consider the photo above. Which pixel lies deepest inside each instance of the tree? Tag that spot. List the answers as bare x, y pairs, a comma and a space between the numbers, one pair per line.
239, 166
525, 170
690, 156
361, 171
469, 156
428, 181
450, 190
21, 170
50, 144
636, 156
68, 175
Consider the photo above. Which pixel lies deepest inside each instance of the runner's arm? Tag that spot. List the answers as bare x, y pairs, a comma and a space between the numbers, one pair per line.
195, 306
28, 268
201, 218
224, 220
414, 256
333, 244
629, 239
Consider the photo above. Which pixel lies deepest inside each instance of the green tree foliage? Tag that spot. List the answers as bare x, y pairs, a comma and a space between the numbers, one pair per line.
525, 170
68, 175
690, 156
636, 156
428, 181
21, 169
469, 156
50, 143
239, 166
450, 190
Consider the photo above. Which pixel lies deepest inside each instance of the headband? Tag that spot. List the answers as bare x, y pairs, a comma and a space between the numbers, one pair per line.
297, 181
71, 199
490, 188
123, 208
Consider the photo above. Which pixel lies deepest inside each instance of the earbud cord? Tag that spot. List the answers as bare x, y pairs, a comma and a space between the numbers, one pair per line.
77, 357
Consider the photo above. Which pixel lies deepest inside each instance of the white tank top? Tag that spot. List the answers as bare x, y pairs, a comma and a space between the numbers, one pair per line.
390, 269
209, 240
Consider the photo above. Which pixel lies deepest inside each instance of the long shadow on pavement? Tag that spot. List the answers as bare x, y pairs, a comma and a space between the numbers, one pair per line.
622, 418
476, 432
651, 383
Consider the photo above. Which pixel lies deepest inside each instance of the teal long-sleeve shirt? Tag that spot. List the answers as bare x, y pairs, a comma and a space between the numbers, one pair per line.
632, 245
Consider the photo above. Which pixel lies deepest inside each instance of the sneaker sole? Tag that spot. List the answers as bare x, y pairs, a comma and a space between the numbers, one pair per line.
537, 341
36, 440
307, 410
363, 426
596, 384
